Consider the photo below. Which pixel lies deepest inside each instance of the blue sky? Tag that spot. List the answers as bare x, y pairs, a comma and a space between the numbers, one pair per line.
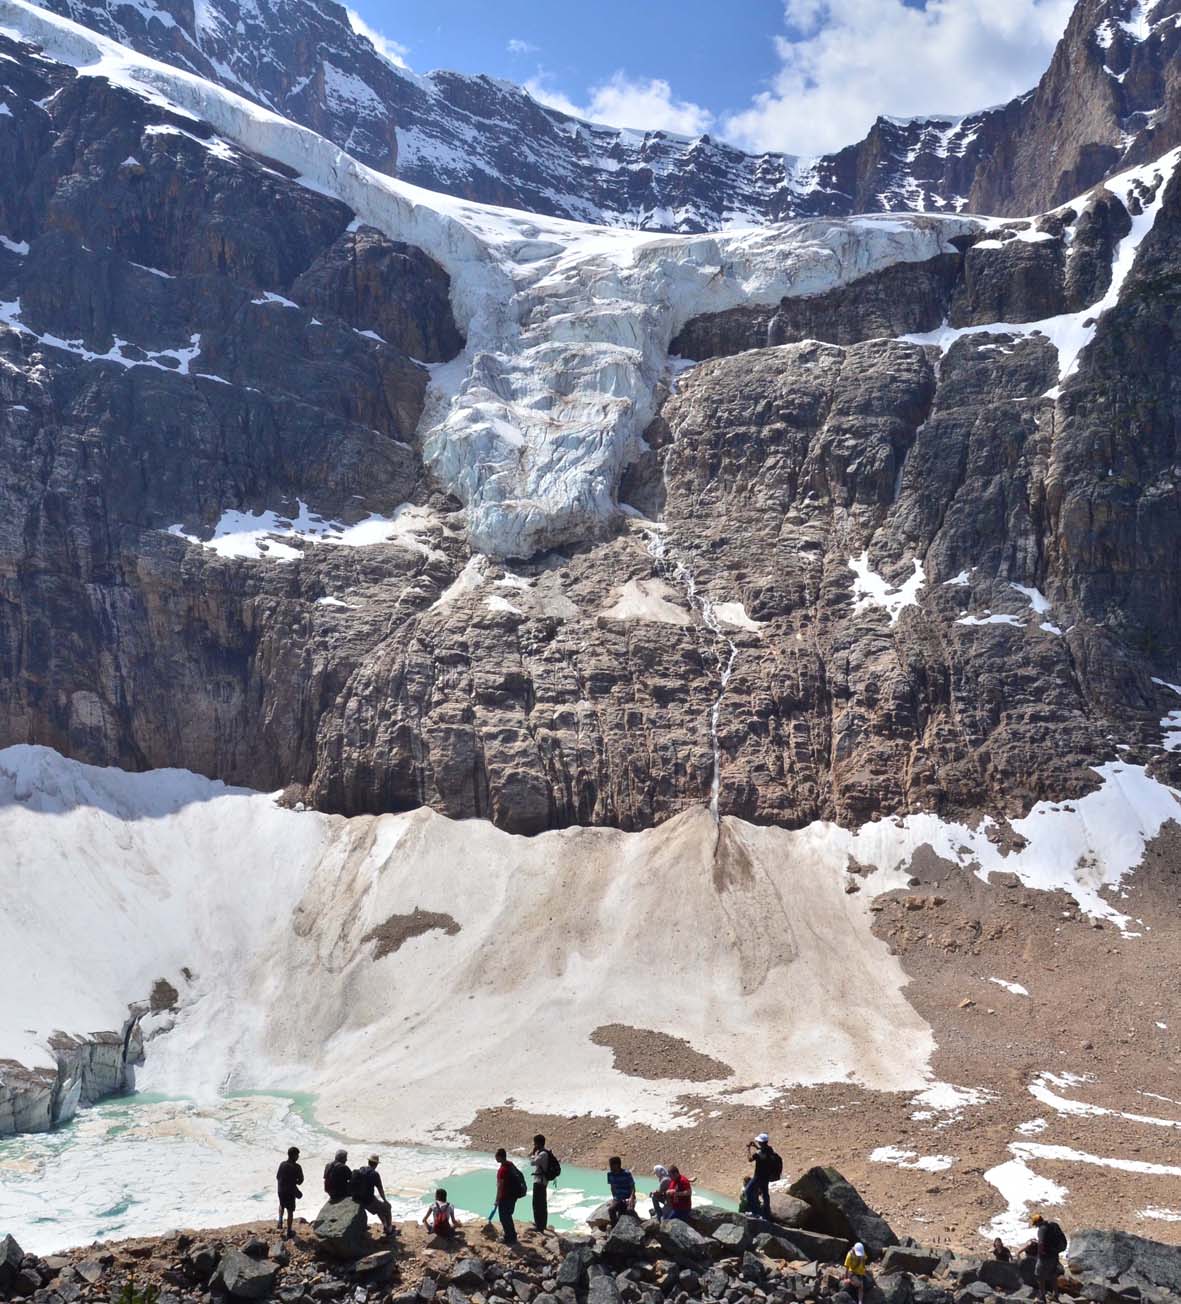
795, 75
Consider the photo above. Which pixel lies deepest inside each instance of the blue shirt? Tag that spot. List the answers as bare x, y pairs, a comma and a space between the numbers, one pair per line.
622, 1184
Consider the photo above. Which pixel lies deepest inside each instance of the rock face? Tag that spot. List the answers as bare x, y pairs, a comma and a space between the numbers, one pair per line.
1110, 98
189, 348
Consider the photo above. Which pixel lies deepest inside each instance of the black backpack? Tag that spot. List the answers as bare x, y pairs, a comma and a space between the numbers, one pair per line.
363, 1184
553, 1167
517, 1188
1055, 1238
774, 1165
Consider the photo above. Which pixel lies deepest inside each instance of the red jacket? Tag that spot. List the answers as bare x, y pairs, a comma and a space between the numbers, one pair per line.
680, 1193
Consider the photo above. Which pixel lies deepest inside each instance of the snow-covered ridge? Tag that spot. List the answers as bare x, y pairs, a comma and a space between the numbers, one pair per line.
568, 325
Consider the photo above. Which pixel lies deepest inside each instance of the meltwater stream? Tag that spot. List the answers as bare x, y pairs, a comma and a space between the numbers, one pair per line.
144, 1165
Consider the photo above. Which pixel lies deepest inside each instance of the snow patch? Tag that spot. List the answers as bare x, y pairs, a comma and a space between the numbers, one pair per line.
1014, 988
871, 590
647, 600
911, 1159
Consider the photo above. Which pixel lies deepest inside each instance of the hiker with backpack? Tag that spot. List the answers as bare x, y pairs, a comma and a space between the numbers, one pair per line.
510, 1187
338, 1177
288, 1179
440, 1218
1048, 1243
680, 1195
546, 1169
623, 1190
369, 1193
768, 1168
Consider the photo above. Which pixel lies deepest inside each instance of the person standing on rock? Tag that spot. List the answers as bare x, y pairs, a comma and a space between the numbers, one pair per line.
768, 1169
623, 1190
369, 1193
289, 1178
338, 1177
1048, 1243
510, 1186
545, 1169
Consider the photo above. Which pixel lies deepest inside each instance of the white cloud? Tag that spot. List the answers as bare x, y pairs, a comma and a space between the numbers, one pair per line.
517, 46
394, 52
623, 102
843, 62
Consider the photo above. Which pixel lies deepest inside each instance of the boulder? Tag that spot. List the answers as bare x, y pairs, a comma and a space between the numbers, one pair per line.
603, 1290
468, 1274
199, 1263
11, 1255
707, 1218
625, 1240
244, 1277
572, 1269
1000, 1276
975, 1292
787, 1208
1124, 1260
376, 1267
733, 1238
897, 1288
341, 1229
795, 1243
963, 1270
599, 1220
909, 1258
679, 1241
840, 1211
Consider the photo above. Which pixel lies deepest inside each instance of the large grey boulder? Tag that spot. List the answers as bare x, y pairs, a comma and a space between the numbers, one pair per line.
787, 1208
734, 1238
679, 1241
341, 1229
1001, 1276
909, 1258
1124, 1261
625, 1241
795, 1243
840, 1210
468, 1274
244, 1277
602, 1289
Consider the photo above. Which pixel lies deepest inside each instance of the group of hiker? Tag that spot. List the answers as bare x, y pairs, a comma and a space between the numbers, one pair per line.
672, 1198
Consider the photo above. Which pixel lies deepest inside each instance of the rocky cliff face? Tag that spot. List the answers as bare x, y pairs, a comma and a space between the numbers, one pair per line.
1110, 98
879, 574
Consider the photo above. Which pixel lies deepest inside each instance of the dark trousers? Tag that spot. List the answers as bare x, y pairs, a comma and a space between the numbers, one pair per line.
505, 1209
540, 1207
758, 1197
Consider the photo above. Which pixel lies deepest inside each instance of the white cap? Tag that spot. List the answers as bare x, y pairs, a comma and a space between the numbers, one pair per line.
762, 1138
859, 1250
660, 1170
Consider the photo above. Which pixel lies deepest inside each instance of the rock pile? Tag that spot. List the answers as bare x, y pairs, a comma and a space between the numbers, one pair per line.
720, 1257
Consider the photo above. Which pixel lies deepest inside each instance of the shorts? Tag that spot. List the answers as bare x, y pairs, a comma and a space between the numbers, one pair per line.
287, 1200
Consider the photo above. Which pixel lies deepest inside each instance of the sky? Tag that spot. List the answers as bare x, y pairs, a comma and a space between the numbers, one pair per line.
799, 76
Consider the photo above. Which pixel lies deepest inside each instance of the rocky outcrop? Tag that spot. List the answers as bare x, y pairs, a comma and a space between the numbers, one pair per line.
840, 1210
1125, 1265
1110, 98
87, 1069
